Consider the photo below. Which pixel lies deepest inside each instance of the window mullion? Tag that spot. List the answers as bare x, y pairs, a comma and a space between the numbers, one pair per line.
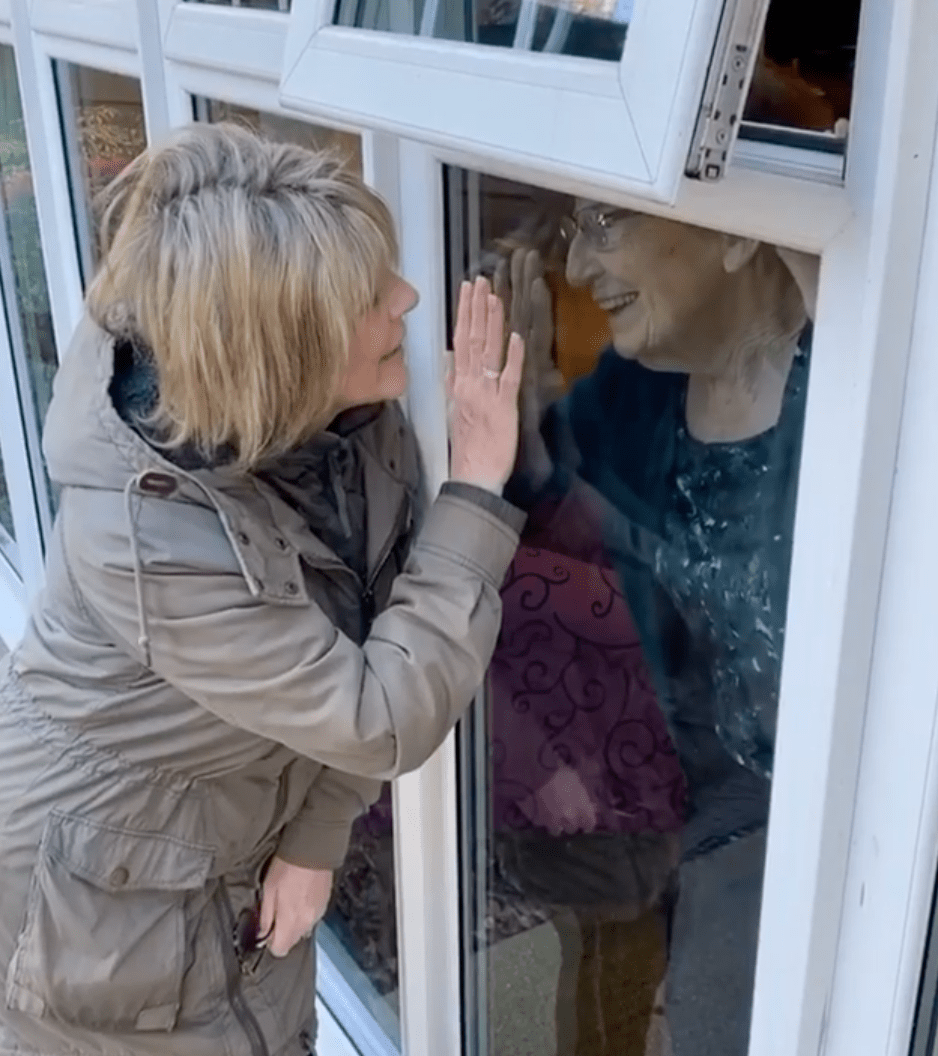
426, 825
156, 102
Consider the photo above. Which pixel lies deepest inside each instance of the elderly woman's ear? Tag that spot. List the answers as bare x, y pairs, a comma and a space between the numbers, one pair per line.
738, 253
805, 269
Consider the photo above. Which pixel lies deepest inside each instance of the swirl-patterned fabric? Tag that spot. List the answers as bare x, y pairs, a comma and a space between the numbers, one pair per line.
570, 689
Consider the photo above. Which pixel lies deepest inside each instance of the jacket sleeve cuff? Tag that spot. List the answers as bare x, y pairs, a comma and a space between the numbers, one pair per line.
467, 533
488, 500
314, 844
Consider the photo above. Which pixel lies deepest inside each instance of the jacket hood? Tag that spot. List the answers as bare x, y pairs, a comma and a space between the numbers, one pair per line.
86, 443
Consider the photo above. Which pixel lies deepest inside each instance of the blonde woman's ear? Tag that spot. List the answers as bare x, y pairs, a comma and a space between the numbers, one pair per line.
738, 253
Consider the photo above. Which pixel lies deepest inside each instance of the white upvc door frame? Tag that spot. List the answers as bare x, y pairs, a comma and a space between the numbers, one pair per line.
833, 906
425, 802
871, 248
891, 880
867, 232
866, 307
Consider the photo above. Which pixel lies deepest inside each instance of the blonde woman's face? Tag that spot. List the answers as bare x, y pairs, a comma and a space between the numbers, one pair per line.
376, 369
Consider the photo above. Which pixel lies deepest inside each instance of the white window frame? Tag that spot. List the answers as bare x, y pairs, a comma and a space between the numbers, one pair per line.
847, 884
508, 104
17, 582
40, 33
25, 484
35, 52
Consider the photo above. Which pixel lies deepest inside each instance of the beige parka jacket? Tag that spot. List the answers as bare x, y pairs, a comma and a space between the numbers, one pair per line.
192, 695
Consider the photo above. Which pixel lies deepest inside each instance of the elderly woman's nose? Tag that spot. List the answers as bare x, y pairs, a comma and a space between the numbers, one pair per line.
582, 265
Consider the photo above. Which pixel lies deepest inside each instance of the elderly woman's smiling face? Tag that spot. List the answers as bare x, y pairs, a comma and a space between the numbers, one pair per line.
660, 282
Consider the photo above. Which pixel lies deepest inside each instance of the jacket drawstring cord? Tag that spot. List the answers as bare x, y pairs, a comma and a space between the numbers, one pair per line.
143, 627
142, 622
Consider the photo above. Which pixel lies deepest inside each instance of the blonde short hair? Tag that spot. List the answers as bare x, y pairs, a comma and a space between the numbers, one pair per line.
243, 266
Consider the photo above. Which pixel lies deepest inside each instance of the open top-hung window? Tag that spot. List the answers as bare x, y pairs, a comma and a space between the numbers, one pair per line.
628, 92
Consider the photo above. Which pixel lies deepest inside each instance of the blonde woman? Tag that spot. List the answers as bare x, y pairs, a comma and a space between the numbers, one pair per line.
244, 629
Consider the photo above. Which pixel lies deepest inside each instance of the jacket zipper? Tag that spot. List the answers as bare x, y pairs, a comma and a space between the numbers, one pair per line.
394, 535
368, 595
239, 1006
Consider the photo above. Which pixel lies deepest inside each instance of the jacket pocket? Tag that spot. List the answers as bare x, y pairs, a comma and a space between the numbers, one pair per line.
103, 943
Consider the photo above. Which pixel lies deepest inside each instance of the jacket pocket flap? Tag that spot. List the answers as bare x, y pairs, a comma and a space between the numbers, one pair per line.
124, 860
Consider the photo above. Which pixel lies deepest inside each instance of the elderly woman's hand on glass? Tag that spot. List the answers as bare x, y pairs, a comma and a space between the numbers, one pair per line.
483, 391
522, 287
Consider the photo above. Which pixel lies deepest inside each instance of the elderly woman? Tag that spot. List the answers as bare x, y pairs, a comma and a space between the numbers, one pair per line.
244, 629
676, 461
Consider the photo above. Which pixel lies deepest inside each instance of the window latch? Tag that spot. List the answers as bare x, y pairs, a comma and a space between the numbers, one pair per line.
726, 88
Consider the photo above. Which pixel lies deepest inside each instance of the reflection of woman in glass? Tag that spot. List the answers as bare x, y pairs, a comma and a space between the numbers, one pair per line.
680, 452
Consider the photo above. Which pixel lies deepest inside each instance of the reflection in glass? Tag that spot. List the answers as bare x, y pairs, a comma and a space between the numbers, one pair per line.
803, 77
6, 514
358, 935
925, 1023
285, 129
265, 5
31, 325
620, 779
593, 29
103, 127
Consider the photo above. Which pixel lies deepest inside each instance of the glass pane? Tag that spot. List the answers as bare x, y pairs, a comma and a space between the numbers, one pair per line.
32, 325
6, 513
359, 933
593, 29
804, 73
285, 129
925, 1023
617, 785
103, 126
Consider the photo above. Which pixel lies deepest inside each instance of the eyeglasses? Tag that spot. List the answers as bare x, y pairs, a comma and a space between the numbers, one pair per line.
249, 943
602, 228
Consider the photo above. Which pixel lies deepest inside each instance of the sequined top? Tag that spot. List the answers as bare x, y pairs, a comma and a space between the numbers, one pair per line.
701, 536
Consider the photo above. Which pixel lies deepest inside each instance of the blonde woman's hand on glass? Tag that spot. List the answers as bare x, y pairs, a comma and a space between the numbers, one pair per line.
483, 391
